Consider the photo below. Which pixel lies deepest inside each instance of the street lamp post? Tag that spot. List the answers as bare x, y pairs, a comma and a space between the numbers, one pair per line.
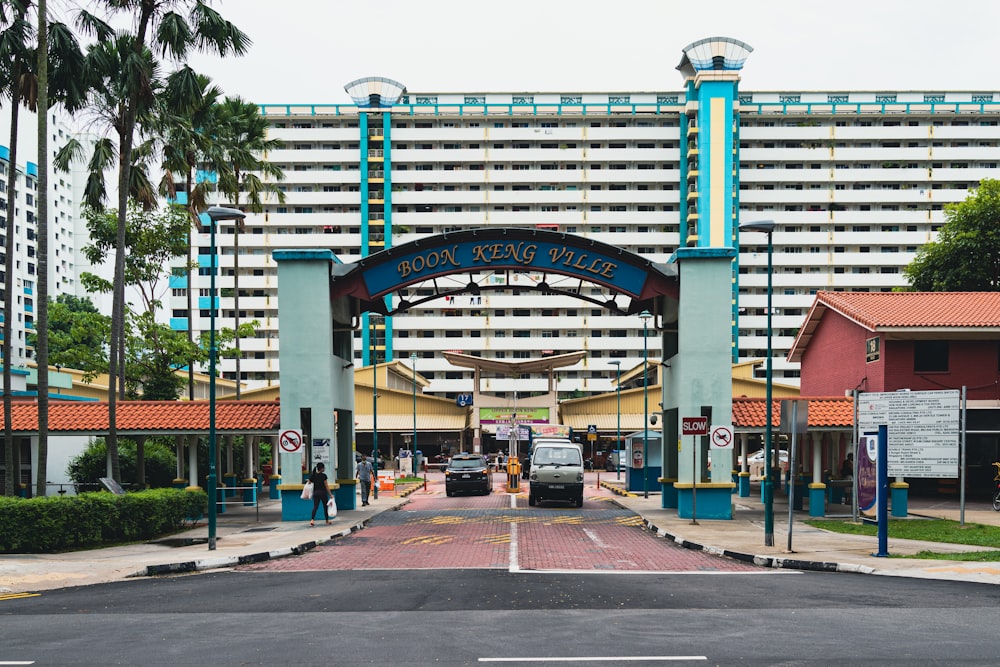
413, 372
618, 387
373, 334
767, 227
215, 215
645, 316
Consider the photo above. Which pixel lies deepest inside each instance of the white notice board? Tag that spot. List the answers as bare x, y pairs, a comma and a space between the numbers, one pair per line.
923, 427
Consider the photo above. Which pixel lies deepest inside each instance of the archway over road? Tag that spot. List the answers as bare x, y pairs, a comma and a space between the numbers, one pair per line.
321, 301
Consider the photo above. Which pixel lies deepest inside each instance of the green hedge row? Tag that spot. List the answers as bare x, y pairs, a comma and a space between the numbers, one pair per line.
43, 525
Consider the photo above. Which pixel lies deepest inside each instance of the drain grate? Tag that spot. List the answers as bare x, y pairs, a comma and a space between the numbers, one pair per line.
263, 529
181, 541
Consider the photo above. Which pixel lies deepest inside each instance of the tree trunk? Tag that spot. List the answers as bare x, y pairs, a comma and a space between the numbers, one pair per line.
190, 297
42, 300
11, 451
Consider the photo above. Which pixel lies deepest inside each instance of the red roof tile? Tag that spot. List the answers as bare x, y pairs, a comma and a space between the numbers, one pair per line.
902, 310
827, 411
151, 416
917, 309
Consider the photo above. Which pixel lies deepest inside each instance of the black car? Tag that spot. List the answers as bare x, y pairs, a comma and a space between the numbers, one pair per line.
467, 472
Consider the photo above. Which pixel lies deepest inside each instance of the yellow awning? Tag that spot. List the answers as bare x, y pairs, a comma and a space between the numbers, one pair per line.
404, 423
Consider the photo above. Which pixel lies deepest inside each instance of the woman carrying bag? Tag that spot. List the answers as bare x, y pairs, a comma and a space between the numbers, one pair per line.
321, 493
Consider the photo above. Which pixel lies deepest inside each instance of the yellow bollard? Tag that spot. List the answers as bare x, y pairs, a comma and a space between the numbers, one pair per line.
513, 475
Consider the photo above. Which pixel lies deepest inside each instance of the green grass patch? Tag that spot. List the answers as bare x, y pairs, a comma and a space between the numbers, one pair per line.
928, 530
968, 556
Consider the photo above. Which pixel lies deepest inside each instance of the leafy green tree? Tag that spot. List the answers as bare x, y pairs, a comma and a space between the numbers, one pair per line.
966, 255
154, 354
153, 350
78, 335
159, 463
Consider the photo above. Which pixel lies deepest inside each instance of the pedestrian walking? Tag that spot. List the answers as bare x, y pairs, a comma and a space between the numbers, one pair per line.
321, 493
365, 478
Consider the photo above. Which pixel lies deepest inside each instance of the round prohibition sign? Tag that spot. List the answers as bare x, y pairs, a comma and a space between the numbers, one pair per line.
290, 441
722, 437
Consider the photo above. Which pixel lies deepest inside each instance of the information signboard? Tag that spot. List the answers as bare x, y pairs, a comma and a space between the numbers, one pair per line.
923, 430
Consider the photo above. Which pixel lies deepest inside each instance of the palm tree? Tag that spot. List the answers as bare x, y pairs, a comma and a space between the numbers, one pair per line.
41, 77
13, 56
244, 146
158, 28
185, 125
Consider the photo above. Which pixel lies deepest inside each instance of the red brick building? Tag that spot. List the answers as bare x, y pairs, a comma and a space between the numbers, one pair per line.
921, 341
884, 341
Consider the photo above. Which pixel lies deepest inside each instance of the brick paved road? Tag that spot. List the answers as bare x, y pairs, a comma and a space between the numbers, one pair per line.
436, 532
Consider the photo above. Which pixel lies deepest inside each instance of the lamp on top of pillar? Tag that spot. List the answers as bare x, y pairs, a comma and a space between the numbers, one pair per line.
216, 214
645, 317
767, 493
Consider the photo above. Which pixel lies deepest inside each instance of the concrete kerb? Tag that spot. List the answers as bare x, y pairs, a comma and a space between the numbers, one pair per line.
204, 564
757, 559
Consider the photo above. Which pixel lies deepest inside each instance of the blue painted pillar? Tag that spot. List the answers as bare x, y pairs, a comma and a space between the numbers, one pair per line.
272, 486
899, 492
817, 499
249, 491
743, 484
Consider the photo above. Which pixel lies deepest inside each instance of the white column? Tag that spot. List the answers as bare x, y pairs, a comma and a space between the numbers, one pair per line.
192, 460
744, 452
817, 451
179, 444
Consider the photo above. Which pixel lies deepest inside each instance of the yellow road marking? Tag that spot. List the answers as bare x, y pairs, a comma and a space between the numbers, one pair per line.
429, 539
629, 521
18, 596
495, 539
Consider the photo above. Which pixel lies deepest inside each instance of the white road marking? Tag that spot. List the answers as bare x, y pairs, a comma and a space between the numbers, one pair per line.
604, 658
514, 566
595, 539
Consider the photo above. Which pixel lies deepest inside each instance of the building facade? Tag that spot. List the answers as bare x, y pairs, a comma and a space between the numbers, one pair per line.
64, 237
855, 181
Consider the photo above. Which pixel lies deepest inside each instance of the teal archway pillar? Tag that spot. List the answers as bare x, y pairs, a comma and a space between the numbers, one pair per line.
697, 380
317, 377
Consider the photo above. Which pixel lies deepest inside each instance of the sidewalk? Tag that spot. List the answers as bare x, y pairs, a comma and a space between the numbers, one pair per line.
248, 534
816, 549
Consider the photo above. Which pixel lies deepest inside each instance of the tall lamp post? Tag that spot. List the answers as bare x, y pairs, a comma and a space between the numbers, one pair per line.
767, 227
645, 316
413, 372
618, 387
373, 334
216, 214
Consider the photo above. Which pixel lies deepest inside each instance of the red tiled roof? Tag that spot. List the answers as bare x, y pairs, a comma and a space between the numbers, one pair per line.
825, 411
902, 310
149, 416
917, 309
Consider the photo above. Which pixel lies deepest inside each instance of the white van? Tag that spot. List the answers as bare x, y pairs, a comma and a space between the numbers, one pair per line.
556, 471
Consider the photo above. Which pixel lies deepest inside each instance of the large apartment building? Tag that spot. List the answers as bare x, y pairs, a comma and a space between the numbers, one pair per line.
855, 181
65, 237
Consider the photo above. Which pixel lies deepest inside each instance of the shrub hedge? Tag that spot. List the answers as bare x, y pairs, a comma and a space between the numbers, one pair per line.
48, 524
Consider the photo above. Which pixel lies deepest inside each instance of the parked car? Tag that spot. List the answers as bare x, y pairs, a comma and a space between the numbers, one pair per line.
467, 473
758, 457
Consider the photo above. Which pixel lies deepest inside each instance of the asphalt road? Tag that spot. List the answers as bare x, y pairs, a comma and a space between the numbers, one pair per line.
337, 606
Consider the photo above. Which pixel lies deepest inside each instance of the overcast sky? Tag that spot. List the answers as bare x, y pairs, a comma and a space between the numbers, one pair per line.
304, 51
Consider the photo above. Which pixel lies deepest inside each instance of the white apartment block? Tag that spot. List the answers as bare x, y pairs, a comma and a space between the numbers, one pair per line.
64, 236
855, 181
24, 247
